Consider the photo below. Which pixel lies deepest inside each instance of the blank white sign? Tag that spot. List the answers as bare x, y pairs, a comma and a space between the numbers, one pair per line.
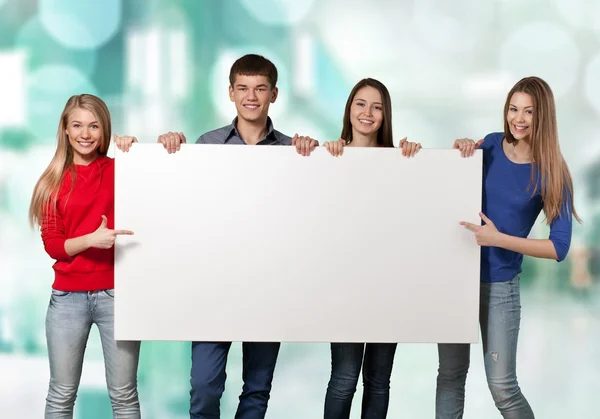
241, 243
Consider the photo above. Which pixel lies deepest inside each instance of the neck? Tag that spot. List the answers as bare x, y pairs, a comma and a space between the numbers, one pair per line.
252, 131
80, 160
362, 140
519, 151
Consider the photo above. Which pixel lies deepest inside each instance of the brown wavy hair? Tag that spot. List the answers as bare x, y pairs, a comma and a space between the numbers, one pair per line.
556, 183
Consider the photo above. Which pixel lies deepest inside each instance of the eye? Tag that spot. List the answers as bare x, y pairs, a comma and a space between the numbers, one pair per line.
95, 126
261, 89
76, 125
529, 111
360, 104
379, 108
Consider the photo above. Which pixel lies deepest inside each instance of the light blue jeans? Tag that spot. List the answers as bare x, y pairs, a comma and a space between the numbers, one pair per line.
68, 322
499, 317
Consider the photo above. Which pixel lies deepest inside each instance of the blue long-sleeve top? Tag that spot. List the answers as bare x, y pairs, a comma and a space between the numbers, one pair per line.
509, 203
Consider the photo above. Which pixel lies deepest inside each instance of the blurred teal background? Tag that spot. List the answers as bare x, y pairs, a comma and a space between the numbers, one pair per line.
163, 65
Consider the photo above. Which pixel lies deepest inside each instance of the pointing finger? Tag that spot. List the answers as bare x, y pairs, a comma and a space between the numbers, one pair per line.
469, 226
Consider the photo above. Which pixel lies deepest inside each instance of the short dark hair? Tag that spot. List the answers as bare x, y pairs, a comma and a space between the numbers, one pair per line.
254, 65
384, 134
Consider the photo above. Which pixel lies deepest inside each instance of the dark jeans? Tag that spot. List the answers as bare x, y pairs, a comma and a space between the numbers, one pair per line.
209, 360
376, 360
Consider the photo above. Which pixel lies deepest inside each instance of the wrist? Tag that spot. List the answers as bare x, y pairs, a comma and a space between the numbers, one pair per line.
88, 240
500, 240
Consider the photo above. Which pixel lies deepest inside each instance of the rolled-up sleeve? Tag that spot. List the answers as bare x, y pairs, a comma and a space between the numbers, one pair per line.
561, 231
53, 236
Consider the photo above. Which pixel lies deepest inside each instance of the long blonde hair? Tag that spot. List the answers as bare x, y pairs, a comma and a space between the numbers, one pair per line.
556, 184
43, 199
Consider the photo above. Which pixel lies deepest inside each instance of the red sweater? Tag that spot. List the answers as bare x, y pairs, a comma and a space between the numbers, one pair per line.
79, 212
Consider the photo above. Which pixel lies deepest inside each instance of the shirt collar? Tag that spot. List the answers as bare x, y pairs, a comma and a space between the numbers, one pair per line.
233, 130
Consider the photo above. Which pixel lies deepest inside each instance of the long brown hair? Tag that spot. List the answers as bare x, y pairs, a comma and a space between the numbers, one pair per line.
43, 199
556, 184
384, 134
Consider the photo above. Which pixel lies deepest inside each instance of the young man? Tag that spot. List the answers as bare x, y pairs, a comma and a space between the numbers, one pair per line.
252, 88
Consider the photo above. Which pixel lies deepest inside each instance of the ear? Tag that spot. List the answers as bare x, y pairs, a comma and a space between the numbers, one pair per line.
231, 97
274, 94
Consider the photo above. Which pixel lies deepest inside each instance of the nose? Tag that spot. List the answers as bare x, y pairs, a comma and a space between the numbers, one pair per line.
85, 133
251, 94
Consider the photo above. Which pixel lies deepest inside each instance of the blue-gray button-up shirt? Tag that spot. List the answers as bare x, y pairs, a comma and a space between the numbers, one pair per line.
230, 135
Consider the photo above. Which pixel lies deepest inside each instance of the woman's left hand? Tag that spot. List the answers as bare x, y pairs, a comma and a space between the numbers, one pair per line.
486, 235
124, 143
409, 149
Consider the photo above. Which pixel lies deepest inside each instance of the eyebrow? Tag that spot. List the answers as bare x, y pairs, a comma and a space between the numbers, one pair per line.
79, 122
243, 85
526, 107
374, 103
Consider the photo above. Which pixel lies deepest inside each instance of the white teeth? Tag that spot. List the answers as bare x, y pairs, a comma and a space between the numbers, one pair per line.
251, 106
364, 121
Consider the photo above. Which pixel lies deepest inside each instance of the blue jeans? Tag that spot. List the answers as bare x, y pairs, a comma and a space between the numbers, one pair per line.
68, 322
209, 360
376, 360
499, 318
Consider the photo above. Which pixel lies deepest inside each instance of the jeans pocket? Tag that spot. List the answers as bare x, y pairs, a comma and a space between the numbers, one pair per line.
57, 293
110, 292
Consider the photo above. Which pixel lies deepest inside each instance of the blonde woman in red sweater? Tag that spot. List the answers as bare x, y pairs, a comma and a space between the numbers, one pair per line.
73, 203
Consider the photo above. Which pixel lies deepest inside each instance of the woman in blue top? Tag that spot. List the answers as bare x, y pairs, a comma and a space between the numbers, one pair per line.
524, 173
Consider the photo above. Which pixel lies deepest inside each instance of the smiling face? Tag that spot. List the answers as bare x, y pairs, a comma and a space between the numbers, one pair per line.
252, 96
366, 111
520, 115
85, 134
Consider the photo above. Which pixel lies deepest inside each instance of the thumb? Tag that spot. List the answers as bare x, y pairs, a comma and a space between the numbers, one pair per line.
104, 222
294, 139
116, 137
478, 143
402, 141
484, 218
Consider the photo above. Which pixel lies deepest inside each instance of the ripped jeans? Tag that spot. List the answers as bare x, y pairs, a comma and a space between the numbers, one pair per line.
499, 318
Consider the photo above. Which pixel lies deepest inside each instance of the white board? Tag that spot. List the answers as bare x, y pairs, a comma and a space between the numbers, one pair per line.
241, 243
